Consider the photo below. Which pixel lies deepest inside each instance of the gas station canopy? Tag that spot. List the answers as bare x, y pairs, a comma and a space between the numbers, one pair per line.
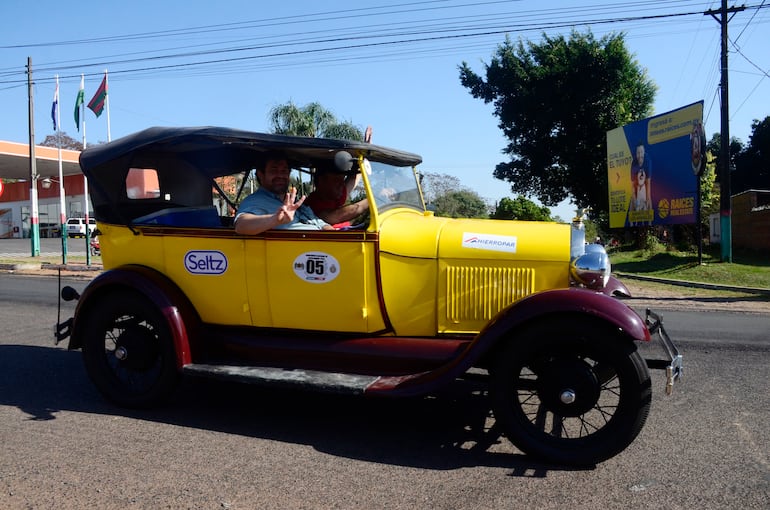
14, 161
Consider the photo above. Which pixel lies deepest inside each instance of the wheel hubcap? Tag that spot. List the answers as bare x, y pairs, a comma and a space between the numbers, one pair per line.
567, 397
121, 353
136, 349
568, 386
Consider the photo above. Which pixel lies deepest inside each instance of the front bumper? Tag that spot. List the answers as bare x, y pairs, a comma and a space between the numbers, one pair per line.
673, 362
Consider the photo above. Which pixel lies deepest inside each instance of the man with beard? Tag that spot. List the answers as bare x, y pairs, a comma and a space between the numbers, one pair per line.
275, 204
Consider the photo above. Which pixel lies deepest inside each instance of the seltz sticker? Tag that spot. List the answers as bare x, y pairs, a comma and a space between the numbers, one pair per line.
205, 262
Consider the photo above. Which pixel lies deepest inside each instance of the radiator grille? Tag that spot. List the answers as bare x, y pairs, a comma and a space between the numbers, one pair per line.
479, 293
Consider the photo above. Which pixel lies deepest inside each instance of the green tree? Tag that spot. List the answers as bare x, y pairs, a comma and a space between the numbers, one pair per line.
311, 120
709, 191
555, 101
520, 209
752, 164
462, 203
435, 185
714, 146
67, 142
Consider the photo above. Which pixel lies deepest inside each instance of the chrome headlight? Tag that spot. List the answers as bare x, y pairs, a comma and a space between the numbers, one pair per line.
593, 268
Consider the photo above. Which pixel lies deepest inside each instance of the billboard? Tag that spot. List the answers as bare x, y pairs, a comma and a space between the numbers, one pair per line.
652, 168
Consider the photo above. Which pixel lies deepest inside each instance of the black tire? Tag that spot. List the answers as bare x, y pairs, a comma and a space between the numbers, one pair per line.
128, 350
570, 391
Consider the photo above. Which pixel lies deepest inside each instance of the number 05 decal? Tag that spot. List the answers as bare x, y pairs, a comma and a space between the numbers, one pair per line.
316, 267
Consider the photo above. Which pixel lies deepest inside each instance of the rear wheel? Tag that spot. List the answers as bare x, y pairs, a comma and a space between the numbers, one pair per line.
576, 394
128, 350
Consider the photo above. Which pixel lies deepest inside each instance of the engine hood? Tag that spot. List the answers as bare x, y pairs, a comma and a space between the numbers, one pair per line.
411, 234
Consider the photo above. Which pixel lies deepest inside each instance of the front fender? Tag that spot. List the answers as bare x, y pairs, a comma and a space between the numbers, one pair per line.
547, 305
616, 288
182, 319
573, 300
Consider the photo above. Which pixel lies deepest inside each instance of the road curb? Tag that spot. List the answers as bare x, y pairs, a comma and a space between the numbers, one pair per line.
72, 267
28, 267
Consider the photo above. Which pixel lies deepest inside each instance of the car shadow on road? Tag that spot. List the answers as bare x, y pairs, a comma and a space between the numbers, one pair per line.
448, 431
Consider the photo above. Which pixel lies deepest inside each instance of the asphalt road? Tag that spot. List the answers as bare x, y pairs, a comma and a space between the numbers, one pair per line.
224, 446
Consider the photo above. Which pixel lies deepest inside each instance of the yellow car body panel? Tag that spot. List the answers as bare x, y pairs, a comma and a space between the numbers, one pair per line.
261, 283
421, 276
409, 292
219, 298
452, 276
316, 284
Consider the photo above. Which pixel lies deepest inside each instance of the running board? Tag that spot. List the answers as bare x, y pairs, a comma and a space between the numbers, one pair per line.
327, 382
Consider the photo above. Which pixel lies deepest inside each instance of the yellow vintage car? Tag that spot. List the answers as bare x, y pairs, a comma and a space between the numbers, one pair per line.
400, 304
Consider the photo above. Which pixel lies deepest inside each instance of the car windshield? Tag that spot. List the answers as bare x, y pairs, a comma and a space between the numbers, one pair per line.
394, 186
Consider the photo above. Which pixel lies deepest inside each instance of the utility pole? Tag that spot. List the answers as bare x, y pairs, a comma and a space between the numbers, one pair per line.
34, 219
725, 192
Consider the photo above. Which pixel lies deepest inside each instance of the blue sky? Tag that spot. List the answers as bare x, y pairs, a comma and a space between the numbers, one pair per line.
388, 64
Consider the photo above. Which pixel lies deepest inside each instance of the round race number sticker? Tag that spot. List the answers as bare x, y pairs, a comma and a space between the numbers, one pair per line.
316, 267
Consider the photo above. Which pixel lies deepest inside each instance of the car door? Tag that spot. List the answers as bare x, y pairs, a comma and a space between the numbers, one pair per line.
314, 280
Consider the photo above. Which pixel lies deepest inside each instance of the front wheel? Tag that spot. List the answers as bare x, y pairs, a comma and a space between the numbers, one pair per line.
128, 350
573, 394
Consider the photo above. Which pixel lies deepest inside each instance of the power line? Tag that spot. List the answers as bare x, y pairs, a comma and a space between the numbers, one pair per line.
749, 22
403, 37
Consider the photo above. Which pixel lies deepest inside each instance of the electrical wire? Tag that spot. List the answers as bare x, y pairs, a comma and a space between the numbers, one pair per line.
433, 30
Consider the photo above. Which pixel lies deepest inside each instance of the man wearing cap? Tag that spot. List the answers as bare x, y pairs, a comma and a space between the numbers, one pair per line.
275, 204
333, 185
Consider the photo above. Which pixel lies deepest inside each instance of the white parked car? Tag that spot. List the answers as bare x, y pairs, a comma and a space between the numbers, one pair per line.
76, 227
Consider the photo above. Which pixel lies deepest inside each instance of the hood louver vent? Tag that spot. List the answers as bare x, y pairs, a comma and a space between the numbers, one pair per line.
479, 293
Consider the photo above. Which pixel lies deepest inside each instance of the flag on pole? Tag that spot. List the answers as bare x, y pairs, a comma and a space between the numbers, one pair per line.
79, 101
55, 107
96, 104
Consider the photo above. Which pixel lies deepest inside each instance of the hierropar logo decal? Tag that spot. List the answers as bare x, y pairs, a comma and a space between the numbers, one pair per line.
489, 242
316, 267
205, 262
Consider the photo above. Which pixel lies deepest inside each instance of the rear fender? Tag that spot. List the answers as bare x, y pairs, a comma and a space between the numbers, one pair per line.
181, 317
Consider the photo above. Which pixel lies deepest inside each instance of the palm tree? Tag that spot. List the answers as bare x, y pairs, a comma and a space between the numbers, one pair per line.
311, 120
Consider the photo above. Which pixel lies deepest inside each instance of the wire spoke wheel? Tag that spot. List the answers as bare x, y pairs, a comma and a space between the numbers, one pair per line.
128, 351
131, 350
570, 398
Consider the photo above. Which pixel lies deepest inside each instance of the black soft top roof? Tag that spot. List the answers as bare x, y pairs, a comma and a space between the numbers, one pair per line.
188, 158
241, 145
